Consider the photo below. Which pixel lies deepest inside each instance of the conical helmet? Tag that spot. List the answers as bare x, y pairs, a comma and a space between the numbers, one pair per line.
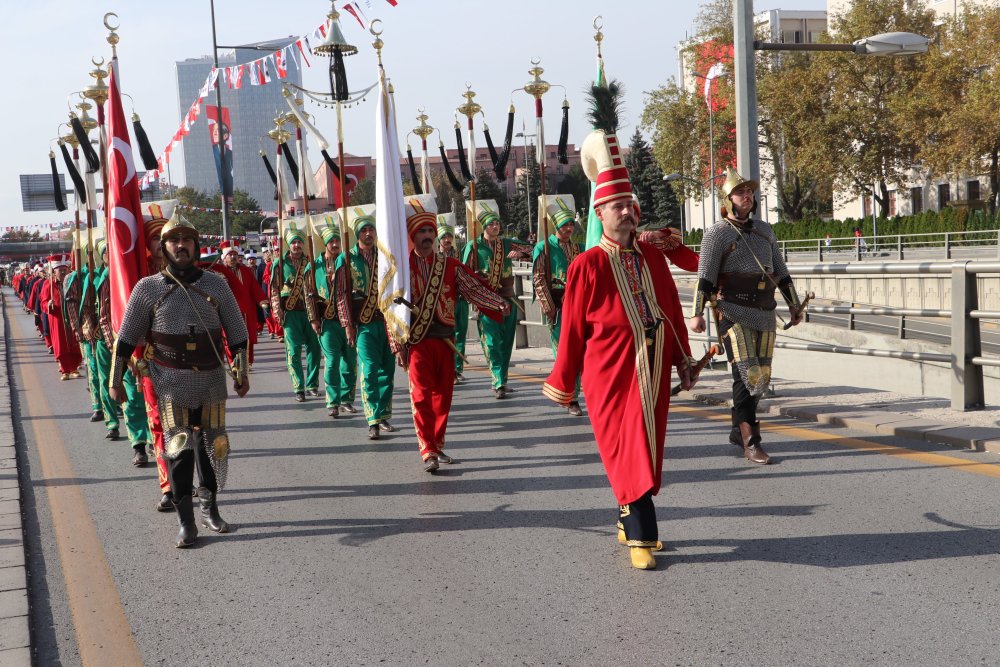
733, 181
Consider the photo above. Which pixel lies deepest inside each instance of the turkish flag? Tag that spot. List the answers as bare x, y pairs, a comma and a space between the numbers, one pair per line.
126, 241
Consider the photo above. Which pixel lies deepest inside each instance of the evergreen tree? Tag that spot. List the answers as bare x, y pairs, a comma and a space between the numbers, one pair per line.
656, 199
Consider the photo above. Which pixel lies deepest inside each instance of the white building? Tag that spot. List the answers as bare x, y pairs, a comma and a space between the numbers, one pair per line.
922, 191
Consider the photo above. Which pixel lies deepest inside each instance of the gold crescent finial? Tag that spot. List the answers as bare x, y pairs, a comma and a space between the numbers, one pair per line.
108, 25
372, 29
598, 22
97, 64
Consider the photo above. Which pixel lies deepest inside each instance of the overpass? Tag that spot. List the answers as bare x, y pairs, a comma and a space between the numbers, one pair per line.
20, 251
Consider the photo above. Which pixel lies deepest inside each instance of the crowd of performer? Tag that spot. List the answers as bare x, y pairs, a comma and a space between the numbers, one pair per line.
159, 373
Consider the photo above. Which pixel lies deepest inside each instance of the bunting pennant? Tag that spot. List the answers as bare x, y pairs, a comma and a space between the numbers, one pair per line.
302, 44
281, 63
356, 13
259, 75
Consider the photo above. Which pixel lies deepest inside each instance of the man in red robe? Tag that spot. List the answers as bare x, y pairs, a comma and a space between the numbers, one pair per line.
64, 345
436, 282
621, 311
245, 288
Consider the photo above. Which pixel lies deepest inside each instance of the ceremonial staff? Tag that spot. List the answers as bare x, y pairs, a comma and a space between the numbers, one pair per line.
537, 87
423, 130
280, 136
82, 125
469, 110
335, 46
305, 173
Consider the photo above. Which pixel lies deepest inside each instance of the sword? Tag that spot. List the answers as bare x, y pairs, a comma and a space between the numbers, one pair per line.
697, 368
449, 342
801, 309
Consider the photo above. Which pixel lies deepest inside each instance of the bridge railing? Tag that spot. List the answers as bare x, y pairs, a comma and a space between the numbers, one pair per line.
965, 318
897, 246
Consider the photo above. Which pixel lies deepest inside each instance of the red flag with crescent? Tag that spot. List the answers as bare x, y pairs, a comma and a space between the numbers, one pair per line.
126, 251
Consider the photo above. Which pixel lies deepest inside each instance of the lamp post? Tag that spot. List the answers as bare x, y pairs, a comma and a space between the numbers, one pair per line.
744, 45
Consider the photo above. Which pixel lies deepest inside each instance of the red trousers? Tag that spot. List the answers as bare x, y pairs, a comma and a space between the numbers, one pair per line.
156, 429
432, 383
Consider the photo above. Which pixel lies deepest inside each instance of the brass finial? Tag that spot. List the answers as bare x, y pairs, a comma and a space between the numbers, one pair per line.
470, 108
86, 121
537, 86
279, 134
378, 43
423, 130
112, 35
598, 35
97, 91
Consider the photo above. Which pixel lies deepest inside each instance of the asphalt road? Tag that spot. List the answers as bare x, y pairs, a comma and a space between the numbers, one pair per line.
848, 550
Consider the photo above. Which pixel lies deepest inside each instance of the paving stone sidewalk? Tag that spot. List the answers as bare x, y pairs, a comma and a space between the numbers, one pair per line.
15, 635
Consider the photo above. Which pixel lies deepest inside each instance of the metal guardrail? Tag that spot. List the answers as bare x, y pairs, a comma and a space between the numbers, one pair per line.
966, 356
895, 245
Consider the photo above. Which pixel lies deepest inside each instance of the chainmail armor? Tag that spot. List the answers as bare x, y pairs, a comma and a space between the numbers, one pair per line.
158, 304
716, 258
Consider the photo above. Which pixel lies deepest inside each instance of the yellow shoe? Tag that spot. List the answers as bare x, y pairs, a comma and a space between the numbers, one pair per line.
642, 558
623, 540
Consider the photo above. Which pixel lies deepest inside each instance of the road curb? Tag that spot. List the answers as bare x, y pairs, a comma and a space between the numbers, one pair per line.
873, 422
15, 622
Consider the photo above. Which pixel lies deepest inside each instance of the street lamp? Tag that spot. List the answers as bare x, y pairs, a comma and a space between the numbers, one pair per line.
744, 45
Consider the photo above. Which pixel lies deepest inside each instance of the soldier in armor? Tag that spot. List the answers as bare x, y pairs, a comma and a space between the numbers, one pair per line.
549, 278
183, 313
294, 305
339, 359
365, 323
739, 269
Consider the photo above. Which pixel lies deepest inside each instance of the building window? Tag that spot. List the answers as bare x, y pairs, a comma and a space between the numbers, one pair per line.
866, 206
892, 203
972, 191
944, 195
916, 200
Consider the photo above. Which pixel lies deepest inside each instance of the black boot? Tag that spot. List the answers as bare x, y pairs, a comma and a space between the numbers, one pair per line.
210, 517
734, 433
185, 516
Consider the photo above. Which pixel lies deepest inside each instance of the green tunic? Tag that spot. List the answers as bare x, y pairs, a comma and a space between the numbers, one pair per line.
340, 359
298, 331
376, 362
497, 338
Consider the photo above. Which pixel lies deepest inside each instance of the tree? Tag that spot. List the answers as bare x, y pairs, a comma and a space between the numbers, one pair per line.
21, 235
858, 138
363, 193
204, 211
576, 183
656, 199
249, 217
951, 114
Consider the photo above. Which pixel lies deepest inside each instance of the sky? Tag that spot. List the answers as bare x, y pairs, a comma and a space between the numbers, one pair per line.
433, 48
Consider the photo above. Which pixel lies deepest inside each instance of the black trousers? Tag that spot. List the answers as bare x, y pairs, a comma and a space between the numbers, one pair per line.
181, 470
638, 520
744, 404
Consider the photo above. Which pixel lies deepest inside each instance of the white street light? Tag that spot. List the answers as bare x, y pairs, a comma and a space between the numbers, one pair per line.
892, 44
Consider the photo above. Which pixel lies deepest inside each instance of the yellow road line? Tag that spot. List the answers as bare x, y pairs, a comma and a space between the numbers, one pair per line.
103, 633
927, 458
